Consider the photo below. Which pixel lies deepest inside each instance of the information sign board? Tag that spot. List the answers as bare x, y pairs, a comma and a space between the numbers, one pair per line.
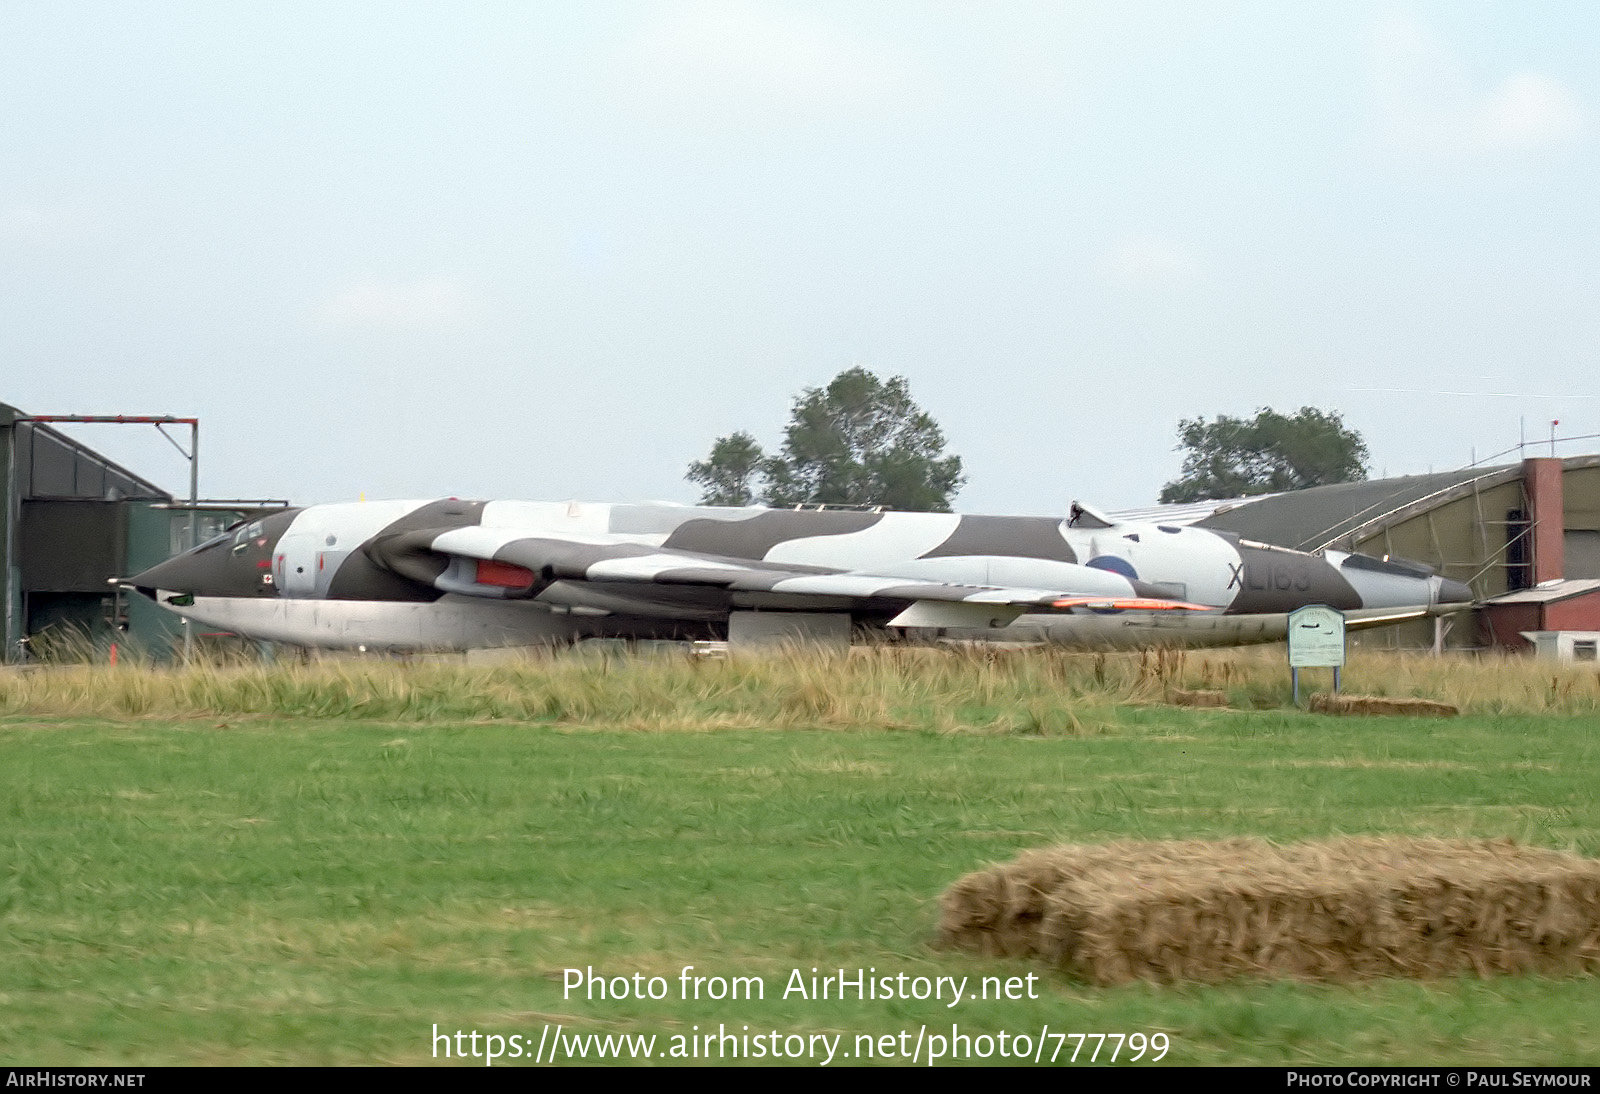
1316, 637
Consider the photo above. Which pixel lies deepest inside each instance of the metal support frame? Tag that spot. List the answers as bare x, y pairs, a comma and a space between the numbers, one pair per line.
224, 505
1483, 531
1294, 682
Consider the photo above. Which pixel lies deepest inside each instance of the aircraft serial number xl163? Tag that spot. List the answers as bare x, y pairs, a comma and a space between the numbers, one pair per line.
454, 574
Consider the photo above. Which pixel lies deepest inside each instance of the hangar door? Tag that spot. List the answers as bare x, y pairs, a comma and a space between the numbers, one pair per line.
70, 546
67, 550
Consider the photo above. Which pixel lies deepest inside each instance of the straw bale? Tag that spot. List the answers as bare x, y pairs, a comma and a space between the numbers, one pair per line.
1343, 909
1198, 698
1324, 703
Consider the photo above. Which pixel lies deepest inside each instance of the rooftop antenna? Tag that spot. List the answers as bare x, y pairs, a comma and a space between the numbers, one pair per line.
1553, 423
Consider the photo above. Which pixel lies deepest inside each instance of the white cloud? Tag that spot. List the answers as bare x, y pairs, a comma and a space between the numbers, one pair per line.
1529, 111
1145, 261
1426, 107
397, 305
739, 57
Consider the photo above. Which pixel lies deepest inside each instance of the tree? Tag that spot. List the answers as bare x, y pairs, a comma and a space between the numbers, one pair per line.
858, 441
1267, 454
726, 475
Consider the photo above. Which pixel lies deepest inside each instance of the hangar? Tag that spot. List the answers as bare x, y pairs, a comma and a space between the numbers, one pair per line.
72, 521
1521, 535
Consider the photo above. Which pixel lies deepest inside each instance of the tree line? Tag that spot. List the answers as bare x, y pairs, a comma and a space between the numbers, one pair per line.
862, 441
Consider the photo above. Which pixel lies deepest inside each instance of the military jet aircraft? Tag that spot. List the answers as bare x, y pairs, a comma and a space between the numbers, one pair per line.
454, 574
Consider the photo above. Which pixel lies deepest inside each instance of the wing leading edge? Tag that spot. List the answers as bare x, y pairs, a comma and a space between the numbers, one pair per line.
495, 563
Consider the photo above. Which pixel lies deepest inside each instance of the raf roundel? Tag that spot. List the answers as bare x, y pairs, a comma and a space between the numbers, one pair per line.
1115, 565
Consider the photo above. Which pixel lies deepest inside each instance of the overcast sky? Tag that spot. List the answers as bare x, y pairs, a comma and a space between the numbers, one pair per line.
552, 250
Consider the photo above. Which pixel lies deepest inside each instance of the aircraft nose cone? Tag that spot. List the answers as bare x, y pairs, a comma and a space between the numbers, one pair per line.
231, 565
1454, 592
179, 574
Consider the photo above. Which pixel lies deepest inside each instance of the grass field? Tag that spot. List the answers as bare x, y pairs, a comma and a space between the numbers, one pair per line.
319, 864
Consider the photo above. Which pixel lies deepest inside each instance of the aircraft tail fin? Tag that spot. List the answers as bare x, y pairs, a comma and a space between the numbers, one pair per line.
1087, 516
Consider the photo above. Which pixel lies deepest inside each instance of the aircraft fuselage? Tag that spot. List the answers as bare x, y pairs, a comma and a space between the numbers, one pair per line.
453, 574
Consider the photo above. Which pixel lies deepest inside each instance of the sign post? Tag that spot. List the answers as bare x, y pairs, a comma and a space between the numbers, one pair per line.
1316, 639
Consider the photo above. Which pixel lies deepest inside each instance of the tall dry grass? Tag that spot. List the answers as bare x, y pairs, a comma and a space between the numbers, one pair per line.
1042, 691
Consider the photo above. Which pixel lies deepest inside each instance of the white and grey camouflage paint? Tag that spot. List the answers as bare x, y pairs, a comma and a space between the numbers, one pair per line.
450, 574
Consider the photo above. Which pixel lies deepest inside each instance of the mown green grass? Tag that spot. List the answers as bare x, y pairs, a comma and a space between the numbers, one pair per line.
324, 890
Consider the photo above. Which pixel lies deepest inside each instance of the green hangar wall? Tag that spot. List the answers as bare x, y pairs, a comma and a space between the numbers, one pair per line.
71, 521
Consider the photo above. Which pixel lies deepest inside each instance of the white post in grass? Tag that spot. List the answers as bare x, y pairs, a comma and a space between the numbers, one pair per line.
1316, 638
